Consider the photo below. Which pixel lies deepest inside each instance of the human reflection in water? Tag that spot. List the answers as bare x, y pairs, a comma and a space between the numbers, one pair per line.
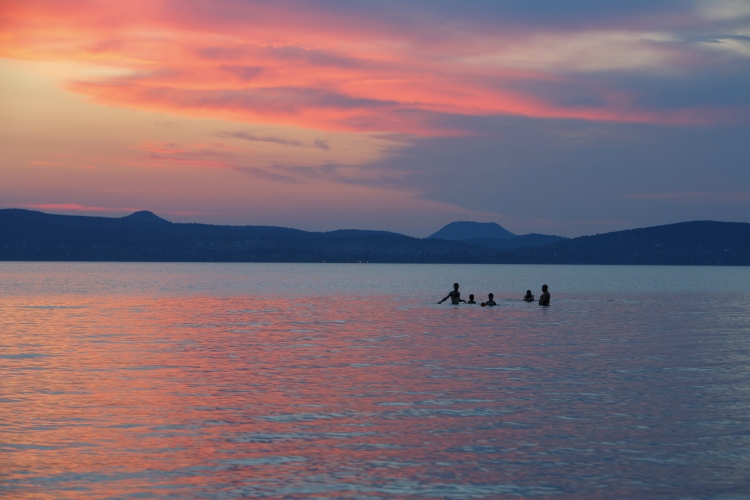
471, 299
490, 301
544, 297
529, 297
455, 296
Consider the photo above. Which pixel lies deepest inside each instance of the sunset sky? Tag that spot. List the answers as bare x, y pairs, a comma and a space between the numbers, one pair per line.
567, 118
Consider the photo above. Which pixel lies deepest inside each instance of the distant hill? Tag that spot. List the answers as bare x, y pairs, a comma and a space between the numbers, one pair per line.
685, 243
146, 216
464, 230
27, 235
491, 235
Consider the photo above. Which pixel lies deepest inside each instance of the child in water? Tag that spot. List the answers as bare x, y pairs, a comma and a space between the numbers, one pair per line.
544, 297
455, 296
529, 297
490, 302
471, 299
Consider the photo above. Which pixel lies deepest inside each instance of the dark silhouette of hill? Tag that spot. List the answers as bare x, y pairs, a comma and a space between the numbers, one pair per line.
146, 216
464, 230
525, 240
491, 235
30, 235
35, 236
684, 243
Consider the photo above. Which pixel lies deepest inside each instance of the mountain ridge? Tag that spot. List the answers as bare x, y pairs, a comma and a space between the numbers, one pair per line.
463, 230
146, 216
35, 236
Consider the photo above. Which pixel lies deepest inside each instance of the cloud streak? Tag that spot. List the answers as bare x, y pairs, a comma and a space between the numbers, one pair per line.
74, 207
249, 136
696, 196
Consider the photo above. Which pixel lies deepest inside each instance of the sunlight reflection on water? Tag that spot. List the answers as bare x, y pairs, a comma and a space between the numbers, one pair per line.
299, 381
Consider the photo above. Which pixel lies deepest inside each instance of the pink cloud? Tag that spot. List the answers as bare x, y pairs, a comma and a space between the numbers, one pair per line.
74, 207
159, 154
309, 67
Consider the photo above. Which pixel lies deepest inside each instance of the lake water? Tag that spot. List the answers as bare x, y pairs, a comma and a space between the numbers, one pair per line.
326, 380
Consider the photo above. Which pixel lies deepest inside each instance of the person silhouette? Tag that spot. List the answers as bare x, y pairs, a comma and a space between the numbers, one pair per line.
490, 301
544, 297
529, 297
455, 296
471, 299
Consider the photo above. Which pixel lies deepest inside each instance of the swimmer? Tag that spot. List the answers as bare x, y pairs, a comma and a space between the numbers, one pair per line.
455, 296
544, 297
491, 302
529, 297
471, 299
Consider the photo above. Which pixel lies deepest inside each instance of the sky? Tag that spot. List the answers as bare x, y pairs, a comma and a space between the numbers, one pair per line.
568, 118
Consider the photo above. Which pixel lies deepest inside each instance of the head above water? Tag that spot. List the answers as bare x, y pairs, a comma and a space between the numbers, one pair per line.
544, 288
528, 292
490, 296
455, 286
471, 296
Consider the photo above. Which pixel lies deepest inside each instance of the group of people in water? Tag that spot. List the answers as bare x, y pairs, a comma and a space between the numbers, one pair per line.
456, 299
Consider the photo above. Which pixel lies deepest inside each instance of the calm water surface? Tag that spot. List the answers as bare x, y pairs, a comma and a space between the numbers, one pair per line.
320, 381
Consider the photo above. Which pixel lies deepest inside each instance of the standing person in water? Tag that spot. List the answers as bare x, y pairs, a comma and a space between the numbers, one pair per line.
544, 297
490, 301
471, 299
455, 296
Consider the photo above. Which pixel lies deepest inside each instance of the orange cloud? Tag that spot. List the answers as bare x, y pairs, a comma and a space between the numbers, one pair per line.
269, 63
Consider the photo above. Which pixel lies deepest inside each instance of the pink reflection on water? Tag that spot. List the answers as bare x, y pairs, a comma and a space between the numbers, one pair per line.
334, 396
